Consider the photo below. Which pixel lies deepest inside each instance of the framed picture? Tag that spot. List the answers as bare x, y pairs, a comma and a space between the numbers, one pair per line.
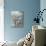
17, 18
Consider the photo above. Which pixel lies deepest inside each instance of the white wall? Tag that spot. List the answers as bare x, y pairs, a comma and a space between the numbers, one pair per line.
43, 6
1, 20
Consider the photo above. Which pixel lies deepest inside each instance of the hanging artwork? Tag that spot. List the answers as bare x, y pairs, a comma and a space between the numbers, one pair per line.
17, 19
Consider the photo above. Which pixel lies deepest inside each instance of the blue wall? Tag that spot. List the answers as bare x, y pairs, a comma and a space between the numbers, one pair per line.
29, 7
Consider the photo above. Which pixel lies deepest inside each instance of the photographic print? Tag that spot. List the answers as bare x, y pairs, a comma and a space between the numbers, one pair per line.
17, 18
